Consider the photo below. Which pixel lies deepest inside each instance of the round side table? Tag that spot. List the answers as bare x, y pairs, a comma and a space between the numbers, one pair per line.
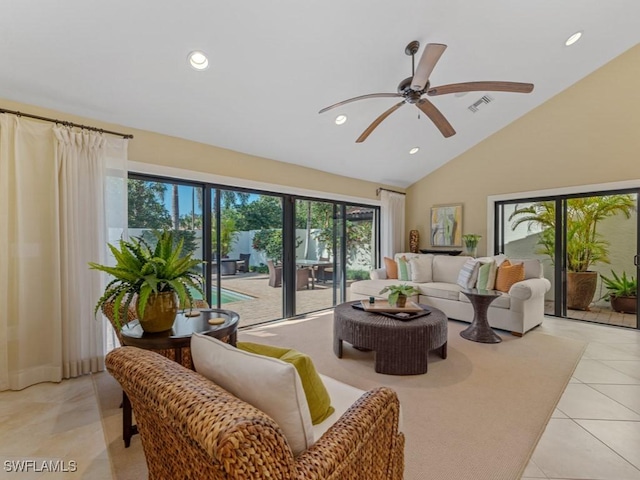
177, 339
479, 330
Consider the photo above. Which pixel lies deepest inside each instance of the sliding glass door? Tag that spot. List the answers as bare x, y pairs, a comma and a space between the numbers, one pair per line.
588, 245
265, 255
247, 252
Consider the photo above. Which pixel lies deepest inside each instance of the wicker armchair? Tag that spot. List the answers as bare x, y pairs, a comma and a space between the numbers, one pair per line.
191, 428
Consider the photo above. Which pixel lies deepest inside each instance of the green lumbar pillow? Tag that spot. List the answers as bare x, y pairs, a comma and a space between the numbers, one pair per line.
315, 391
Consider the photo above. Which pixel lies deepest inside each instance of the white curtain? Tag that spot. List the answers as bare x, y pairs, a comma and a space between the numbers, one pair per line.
52, 222
392, 223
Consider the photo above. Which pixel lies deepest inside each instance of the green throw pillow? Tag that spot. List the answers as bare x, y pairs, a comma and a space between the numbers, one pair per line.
486, 276
404, 269
315, 391
483, 276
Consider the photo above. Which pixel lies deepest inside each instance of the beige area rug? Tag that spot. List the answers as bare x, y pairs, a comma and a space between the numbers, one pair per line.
476, 415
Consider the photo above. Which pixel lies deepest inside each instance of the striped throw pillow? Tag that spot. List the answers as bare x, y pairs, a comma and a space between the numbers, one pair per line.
468, 273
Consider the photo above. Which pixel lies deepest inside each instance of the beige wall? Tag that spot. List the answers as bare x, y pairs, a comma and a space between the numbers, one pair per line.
154, 148
587, 134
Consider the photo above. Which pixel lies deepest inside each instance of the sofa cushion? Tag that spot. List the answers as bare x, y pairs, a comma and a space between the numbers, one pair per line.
450, 291
318, 398
446, 267
342, 396
532, 267
508, 274
503, 301
371, 288
391, 267
268, 384
468, 273
421, 266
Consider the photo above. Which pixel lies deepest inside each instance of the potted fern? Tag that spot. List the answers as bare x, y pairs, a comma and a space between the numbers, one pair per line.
622, 292
399, 294
158, 279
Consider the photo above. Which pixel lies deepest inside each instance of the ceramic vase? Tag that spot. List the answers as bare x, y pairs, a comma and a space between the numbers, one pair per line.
160, 312
414, 239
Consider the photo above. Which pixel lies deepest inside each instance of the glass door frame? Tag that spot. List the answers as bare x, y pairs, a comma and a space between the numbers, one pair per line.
288, 226
560, 282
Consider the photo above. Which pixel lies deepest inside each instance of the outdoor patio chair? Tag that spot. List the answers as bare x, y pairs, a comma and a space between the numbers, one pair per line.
303, 275
324, 273
275, 274
243, 263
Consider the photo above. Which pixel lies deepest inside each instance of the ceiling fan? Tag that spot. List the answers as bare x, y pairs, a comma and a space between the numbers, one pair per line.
413, 88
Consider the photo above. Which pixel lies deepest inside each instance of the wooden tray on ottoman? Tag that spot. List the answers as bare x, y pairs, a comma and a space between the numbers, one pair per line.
383, 306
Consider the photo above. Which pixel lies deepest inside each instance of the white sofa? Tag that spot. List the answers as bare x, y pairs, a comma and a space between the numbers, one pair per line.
517, 311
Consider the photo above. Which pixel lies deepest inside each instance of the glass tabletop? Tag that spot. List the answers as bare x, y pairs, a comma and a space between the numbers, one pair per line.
185, 325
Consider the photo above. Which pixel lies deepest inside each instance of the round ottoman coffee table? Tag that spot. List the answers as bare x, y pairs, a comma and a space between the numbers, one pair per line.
401, 347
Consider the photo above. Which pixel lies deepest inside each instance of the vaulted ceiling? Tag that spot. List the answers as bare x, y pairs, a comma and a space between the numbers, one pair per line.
274, 65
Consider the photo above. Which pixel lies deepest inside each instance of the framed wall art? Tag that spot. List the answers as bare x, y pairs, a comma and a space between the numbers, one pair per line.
446, 225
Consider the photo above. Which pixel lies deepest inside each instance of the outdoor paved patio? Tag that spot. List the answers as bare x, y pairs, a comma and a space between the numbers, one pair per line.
599, 315
267, 302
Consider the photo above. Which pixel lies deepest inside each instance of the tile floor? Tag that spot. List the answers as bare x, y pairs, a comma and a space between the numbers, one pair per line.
593, 434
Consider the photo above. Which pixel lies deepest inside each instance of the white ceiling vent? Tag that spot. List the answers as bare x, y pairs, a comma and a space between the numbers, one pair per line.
474, 107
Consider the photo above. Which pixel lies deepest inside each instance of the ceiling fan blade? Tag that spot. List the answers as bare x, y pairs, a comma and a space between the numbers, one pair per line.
436, 117
377, 122
430, 56
514, 87
361, 97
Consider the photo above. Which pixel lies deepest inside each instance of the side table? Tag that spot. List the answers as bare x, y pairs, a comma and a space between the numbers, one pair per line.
479, 330
176, 339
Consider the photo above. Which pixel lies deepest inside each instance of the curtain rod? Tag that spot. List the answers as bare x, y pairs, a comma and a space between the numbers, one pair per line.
387, 190
65, 123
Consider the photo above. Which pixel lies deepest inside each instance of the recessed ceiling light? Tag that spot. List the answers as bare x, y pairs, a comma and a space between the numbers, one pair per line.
198, 60
340, 119
414, 150
573, 38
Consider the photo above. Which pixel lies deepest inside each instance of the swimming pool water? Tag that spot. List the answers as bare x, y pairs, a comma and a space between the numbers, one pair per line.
226, 296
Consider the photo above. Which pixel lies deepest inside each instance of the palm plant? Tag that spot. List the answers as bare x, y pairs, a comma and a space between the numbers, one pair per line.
585, 246
620, 286
142, 270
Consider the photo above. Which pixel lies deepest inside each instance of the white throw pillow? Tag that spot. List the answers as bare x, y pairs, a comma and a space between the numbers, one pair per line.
468, 273
501, 257
421, 268
269, 384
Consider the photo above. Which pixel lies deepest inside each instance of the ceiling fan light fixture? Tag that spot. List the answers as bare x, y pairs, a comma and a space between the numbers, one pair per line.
198, 60
341, 119
573, 39
414, 150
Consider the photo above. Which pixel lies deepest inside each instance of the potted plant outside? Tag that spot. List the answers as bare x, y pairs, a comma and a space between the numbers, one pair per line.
399, 293
471, 243
585, 246
622, 292
157, 279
